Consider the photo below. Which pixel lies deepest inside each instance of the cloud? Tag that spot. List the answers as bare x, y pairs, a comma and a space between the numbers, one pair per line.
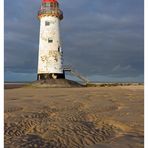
98, 37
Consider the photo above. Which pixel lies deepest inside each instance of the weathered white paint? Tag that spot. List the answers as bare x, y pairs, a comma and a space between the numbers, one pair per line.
50, 54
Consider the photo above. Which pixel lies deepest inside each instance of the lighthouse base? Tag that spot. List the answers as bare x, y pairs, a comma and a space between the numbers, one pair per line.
55, 83
46, 76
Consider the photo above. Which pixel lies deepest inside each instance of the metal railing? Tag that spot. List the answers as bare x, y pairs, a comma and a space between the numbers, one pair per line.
51, 11
75, 73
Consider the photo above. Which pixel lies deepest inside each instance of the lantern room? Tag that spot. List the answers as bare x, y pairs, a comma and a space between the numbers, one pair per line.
50, 8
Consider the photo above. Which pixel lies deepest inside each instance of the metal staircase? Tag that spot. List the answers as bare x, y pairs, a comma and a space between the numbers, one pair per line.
75, 73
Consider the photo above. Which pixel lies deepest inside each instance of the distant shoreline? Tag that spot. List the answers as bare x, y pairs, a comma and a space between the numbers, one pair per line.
13, 85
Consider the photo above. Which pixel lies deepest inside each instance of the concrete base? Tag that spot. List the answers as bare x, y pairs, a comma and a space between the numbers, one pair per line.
56, 83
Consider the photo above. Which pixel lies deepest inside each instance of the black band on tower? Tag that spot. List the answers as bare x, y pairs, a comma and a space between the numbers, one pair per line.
46, 76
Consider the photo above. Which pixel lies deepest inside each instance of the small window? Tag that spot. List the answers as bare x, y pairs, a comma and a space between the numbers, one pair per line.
59, 49
47, 23
50, 40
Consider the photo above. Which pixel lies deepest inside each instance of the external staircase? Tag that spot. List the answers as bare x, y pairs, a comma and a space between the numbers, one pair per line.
75, 73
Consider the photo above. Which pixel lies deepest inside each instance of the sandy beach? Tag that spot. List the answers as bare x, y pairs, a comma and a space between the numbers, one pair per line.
91, 117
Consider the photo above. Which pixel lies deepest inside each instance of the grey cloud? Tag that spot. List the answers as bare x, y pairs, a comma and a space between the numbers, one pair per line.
99, 37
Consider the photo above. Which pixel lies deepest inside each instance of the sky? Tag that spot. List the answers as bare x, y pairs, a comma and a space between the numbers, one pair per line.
102, 39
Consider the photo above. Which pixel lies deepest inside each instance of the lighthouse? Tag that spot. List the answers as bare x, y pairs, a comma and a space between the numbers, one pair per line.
50, 55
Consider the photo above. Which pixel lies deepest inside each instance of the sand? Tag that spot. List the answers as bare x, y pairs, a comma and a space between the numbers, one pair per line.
92, 117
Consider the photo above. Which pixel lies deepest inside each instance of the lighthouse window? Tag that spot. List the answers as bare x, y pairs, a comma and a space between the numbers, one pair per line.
47, 23
50, 40
47, 4
51, 5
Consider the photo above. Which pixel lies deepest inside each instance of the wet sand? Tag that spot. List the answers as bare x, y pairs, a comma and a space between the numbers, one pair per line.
91, 117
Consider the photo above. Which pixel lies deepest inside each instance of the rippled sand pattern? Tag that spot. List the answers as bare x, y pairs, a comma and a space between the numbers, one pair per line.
109, 117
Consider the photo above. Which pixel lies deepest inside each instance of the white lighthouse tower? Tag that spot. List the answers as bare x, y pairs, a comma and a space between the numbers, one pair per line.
50, 52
